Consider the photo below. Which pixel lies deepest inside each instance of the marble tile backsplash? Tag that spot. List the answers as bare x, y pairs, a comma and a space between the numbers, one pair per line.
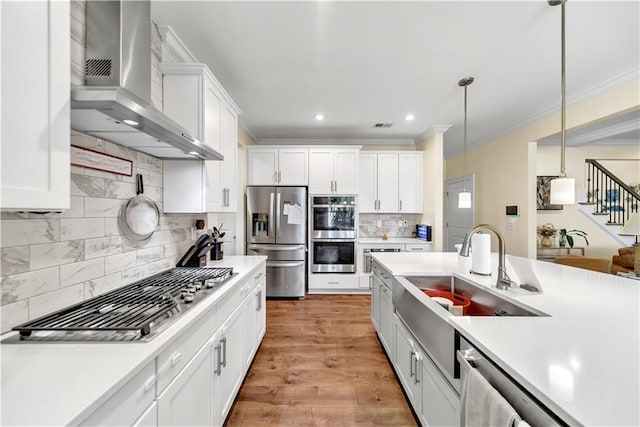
53, 260
390, 224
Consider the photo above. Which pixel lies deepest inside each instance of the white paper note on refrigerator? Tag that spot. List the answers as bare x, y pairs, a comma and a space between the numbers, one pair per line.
296, 214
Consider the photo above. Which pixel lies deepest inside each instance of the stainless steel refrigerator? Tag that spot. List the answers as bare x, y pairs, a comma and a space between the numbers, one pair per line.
277, 228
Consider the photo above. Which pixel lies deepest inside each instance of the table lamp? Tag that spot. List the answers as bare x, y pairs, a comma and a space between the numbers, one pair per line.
632, 228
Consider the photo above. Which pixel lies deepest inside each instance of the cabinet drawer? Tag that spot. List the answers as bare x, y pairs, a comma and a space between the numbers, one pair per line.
128, 404
333, 281
176, 356
232, 300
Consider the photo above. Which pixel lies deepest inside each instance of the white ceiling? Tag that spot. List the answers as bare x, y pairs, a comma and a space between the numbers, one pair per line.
360, 63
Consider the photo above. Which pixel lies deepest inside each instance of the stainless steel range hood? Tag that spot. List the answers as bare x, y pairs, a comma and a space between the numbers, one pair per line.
115, 103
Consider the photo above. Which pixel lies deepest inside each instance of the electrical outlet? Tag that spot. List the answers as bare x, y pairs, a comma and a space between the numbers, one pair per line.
379, 223
400, 223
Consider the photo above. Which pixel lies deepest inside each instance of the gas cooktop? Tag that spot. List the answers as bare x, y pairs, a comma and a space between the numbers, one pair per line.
135, 312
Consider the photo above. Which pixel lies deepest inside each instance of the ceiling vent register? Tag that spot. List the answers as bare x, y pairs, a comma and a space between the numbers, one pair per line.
383, 125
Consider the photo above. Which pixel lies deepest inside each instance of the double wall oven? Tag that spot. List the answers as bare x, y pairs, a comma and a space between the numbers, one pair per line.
333, 234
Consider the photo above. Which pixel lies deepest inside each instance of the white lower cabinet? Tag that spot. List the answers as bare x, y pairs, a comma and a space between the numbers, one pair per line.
198, 374
433, 399
149, 418
187, 399
386, 318
228, 365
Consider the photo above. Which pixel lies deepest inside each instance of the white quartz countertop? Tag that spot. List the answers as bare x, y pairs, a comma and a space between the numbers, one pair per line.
392, 240
60, 383
582, 361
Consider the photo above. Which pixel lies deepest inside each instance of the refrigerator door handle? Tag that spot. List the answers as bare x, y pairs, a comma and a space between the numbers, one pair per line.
271, 213
276, 248
278, 214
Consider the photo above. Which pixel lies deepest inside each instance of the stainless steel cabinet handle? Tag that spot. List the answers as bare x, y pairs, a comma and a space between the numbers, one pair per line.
336, 182
224, 352
259, 296
400, 204
279, 177
275, 177
149, 384
218, 370
370, 282
415, 378
410, 364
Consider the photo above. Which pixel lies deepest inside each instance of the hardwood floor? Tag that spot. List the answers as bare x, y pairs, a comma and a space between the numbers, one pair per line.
320, 364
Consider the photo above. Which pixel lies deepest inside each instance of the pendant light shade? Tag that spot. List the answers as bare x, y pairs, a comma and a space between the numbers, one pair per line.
563, 189
464, 198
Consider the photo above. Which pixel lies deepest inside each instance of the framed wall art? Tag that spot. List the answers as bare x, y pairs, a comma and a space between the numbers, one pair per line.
543, 191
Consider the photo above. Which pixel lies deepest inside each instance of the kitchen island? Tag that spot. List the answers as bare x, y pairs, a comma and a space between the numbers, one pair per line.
582, 360
62, 383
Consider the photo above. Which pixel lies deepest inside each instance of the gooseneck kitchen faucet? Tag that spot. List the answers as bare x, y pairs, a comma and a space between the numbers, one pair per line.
503, 282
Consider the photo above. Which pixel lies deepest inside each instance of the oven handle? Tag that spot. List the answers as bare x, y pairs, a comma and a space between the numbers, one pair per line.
334, 240
285, 264
334, 206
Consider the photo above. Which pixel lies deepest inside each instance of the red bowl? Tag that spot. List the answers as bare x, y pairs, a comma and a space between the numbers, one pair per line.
456, 299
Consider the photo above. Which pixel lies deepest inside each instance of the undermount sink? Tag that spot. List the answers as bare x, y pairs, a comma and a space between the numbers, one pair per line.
483, 303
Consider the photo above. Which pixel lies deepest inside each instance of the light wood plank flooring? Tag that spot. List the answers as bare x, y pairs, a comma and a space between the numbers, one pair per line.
320, 364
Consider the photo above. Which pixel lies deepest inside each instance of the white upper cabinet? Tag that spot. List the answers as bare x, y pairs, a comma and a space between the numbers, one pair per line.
391, 182
278, 165
410, 186
35, 88
333, 170
193, 97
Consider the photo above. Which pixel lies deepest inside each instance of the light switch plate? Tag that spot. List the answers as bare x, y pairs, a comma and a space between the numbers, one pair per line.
379, 223
509, 226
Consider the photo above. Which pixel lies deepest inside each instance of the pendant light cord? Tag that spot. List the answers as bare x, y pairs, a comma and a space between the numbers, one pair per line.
464, 83
563, 107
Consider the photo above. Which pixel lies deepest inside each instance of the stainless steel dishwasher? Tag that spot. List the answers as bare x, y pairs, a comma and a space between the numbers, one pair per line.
528, 407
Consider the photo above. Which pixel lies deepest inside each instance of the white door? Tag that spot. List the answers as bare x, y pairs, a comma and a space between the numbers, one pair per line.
293, 166
321, 171
368, 184
249, 309
229, 148
230, 365
212, 116
458, 221
346, 171
410, 183
187, 399
388, 182
263, 164
35, 105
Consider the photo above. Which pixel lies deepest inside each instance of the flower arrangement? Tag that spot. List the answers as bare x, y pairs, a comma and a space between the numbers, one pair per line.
547, 230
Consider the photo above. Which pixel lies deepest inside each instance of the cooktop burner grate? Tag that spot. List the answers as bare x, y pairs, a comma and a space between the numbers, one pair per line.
127, 311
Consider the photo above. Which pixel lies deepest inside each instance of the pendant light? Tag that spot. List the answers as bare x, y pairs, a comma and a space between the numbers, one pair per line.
563, 189
464, 198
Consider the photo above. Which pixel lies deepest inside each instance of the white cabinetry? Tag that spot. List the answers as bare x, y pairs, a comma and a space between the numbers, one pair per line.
188, 399
193, 97
278, 166
434, 401
333, 171
383, 308
390, 182
35, 105
198, 374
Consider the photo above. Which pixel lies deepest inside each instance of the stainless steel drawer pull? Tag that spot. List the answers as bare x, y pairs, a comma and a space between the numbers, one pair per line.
224, 352
149, 384
218, 370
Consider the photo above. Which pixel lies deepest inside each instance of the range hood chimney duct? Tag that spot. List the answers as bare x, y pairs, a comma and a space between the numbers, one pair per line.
115, 102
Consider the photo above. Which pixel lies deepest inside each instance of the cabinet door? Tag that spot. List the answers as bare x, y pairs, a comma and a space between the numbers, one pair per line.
230, 364
404, 360
187, 399
249, 309
263, 166
386, 319
183, 188
321, 171
35, 105
410, 182
212, 114
293, 166
368, 183
221, 175
182, 95
375, 303
388, 182
261, 312
346, 171
440, 403
149, 418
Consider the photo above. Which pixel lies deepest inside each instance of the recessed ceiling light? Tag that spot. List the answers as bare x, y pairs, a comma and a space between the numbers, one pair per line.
319, 117
130, 122
409, 117
193, 153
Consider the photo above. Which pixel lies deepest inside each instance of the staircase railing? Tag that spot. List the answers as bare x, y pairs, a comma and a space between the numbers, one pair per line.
610, 195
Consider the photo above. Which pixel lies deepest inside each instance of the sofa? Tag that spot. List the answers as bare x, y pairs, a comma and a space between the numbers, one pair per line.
623, 262
585, 262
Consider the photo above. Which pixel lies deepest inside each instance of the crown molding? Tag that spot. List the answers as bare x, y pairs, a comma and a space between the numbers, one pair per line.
432, 130
384, 142
173, 47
